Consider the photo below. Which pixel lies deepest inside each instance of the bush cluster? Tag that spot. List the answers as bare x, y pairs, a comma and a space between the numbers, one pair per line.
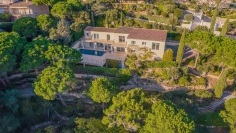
112, 63
161, 64
95, 70
124, 75
184, 81
203, 94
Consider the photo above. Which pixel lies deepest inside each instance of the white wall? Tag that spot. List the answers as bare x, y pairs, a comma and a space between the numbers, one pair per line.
159, 53
93, 60
115, 37
102, 35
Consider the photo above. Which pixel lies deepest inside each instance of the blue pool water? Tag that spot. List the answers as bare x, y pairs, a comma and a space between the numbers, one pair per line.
92, 52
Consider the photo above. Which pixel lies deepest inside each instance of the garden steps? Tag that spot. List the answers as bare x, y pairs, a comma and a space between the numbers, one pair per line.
224, 98
215, 104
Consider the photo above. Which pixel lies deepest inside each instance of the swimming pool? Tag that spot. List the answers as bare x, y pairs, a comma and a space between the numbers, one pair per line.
92, 52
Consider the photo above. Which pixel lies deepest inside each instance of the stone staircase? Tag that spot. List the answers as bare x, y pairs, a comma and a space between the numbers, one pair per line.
216, 104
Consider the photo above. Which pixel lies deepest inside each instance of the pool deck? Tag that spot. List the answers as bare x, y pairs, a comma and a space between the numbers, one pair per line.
101, 60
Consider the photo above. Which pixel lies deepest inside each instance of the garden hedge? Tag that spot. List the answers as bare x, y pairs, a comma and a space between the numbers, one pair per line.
95, 70
6, 26
112, 63
161, 64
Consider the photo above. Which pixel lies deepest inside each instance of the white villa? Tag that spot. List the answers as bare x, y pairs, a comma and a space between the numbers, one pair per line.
203, 20
101, 43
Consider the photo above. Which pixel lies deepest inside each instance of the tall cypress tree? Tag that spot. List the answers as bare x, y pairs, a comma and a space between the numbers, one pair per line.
107, 25
121, 19
213, 20
225, 27
181, 48
92, 18
221, 84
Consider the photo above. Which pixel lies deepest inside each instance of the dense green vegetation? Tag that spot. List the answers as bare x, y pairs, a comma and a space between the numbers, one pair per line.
102, 90
5, 17
229, 113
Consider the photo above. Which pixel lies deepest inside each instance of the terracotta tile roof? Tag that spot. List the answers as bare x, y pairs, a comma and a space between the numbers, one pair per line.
124, 30
3, 5
148, 34
99, 29
21, 4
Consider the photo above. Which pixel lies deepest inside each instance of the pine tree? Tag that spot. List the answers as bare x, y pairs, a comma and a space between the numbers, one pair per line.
166, 117
181, 49
213, 20
121, 19
225, 27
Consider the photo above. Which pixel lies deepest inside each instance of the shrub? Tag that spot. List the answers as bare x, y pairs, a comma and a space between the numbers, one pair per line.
156, 11
188, 17
178, 12
172, 34
164, 14
209, 14
161, 64
165, 75
168, 55
5, 17
138, 9
99, 21
95, 70
203, 94
26, 26
129, 22
177, 38
6, 26
184, 71
147, 26
112, 63
219, 29
149, 13
184, 81
201, 81
142, 17
49, 129
76, 36
233, 24
201, 28
124, 75
140, 72
190, 61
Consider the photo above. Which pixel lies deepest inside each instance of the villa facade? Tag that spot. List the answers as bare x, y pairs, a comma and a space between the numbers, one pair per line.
20, 9
113, 43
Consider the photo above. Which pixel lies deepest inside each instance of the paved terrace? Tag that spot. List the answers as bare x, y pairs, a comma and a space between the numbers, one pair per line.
100, 60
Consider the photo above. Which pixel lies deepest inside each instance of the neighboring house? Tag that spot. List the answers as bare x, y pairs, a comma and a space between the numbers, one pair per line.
202, 20
22, 9
212, 3
101, 43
